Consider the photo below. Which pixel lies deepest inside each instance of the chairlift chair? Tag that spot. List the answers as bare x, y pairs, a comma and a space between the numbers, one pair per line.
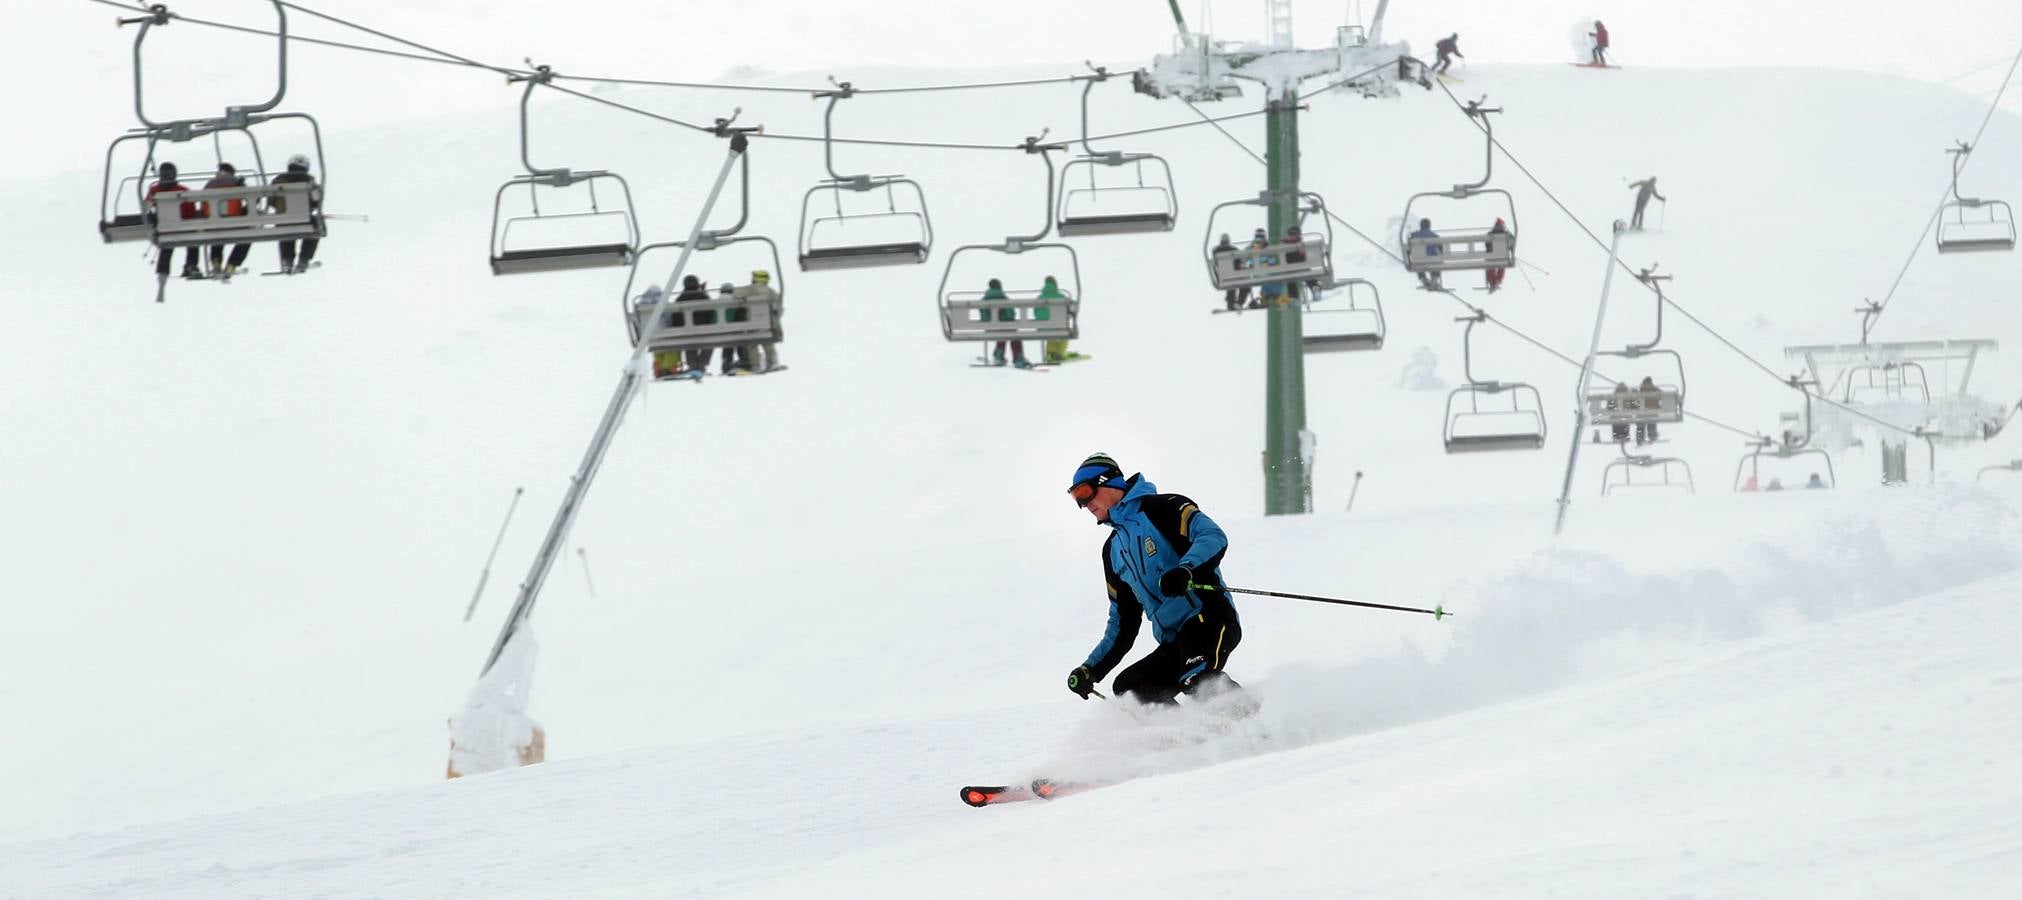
1130, 207
1672, 472
1476, 429
752, 312
1750, 466
543, 253
1292, 263
1969, 224
1459, 249
1359, 326
750, 315
1663, 403
967, 316
901, 233
268, 214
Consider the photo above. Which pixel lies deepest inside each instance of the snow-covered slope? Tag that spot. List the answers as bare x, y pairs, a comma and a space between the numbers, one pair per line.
246, 522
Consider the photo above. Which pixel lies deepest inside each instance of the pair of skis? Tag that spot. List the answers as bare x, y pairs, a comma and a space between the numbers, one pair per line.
1039, 789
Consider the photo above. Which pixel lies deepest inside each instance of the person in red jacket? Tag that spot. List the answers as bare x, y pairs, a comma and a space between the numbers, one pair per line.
228, 177
167, 184
1600, 36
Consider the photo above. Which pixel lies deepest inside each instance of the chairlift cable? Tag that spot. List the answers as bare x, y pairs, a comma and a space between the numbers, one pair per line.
246, 29
396, 39
1939, 210
1540, 185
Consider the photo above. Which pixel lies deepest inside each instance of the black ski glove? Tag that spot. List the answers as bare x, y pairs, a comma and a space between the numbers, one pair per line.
1176, 582
1081, 681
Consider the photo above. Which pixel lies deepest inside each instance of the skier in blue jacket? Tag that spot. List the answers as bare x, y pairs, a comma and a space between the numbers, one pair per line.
1162, 562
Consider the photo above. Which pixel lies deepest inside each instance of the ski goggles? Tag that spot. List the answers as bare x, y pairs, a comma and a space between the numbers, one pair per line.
1082, 493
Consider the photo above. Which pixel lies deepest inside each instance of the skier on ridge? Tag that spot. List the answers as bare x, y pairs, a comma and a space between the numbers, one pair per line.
1600, 36
1644, 189
1162, 561
1448, 47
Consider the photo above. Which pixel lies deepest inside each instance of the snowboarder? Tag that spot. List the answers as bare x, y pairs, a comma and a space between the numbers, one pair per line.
228, 177
166, 183
1495, 276
1233, 298
1007, 314
1644, 189
1056, 350
1448, 48
761, 287
1600, 36
298, 173
1428, 278
1162, 561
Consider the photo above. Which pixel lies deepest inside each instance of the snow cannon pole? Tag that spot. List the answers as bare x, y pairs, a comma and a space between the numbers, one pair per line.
1437, 612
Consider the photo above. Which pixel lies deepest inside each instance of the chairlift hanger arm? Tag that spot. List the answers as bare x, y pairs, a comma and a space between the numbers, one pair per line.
159, 14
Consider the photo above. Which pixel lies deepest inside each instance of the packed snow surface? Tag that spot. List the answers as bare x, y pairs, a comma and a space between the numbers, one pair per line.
245, 525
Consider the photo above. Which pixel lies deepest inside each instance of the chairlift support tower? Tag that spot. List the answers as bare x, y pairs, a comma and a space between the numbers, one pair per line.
1201, 69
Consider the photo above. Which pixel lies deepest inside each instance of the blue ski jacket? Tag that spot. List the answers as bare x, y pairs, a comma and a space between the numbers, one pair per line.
1153, 534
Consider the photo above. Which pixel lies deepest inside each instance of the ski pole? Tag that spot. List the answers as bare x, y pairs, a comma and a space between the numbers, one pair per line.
1353, 489
584, 555
1437, 612
486, 574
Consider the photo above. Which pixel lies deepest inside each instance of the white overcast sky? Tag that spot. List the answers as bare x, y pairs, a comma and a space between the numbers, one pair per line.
72, 91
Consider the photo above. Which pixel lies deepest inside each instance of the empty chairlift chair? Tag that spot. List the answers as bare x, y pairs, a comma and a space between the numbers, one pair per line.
899, 232
1668, 474
1023, 313
1279, 261
1117, 198
1358, 325
1444, 246
588, 234
1968, 224
1489, 416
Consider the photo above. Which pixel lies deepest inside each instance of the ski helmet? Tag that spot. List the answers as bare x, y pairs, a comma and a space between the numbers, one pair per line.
298, 163
167, 171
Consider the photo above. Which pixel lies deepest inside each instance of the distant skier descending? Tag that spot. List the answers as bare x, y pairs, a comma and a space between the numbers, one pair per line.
1447, 48
1644, 189
1162, 561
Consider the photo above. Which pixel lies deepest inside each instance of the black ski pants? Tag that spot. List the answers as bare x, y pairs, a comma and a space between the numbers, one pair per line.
288, 252
163, 259
1193, 657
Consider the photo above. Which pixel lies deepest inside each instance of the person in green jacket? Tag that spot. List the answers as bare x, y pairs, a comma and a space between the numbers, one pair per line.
1056, 350
1006, 314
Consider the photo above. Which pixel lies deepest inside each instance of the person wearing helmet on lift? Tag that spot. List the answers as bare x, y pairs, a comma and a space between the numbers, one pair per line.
1162, 561
166, 183
761, 288
298, 173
